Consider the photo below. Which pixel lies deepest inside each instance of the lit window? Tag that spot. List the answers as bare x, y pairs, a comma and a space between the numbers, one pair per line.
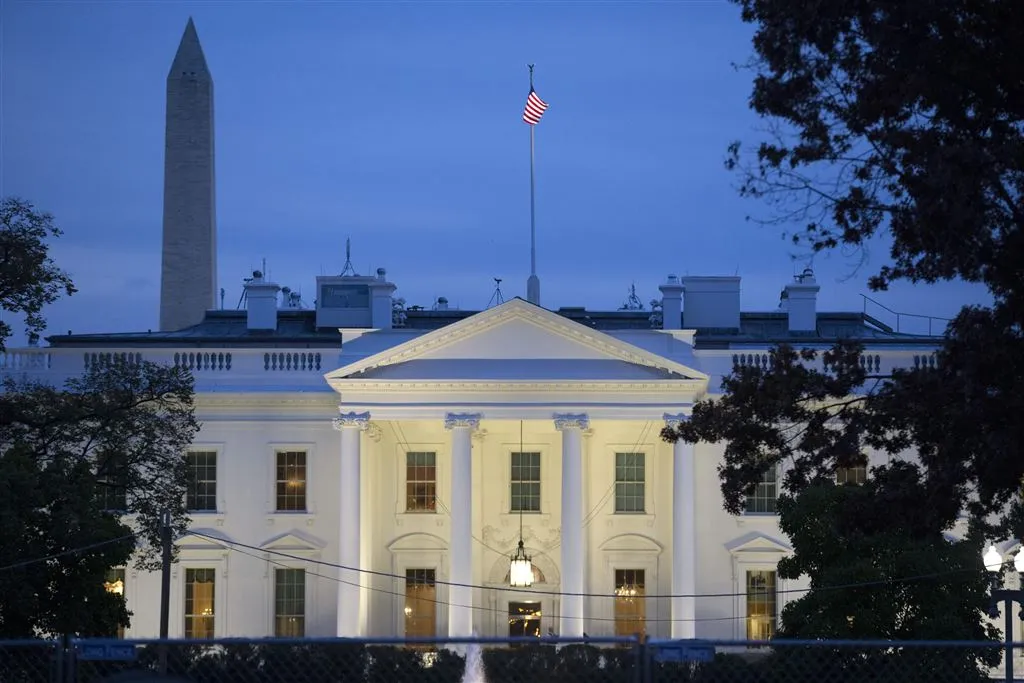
524, 619
114, 583
630, 484
420, 482
630, 603
525, 478
761, 605
200, 587
201, 493
765, 496
291, 481
420, 603
289, 603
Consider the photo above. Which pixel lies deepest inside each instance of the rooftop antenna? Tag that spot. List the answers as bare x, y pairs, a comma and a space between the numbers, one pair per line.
497, 298
349, 269
633, 302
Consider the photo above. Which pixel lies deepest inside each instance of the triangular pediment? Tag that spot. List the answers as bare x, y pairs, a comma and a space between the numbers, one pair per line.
292, 541
757, 542
529, 341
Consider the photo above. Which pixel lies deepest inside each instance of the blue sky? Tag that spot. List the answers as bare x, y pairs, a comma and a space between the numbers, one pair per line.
398, 124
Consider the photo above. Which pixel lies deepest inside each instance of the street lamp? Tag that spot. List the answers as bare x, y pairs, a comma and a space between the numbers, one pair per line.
994, 563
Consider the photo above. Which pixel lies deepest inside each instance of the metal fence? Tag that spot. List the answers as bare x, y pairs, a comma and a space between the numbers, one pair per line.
549, 660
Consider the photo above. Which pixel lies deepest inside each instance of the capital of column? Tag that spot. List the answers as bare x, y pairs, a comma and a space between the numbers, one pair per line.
470, 421
565, 421
360, 421
673, 421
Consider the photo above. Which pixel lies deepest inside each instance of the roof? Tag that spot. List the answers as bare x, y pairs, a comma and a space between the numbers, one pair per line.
297, 329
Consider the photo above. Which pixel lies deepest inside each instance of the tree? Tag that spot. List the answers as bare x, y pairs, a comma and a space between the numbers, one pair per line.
906, 120
29, 280
85, 471
883, 540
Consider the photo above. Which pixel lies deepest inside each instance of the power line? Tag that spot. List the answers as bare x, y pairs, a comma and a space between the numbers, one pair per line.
373, 572
73, 551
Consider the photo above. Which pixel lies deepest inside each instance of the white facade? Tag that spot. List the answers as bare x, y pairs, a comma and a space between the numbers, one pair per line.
461, 392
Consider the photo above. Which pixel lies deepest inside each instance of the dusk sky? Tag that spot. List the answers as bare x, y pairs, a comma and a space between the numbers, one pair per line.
397, 124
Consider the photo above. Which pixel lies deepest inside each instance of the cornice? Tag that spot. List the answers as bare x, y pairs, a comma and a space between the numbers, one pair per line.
662, 386
266, 400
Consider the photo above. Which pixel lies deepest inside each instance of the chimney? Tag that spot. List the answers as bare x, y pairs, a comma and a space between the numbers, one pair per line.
711, 303
802, 303
381, 302
671, 304
261, 303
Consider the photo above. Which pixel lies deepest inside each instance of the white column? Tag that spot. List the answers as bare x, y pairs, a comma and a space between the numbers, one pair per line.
684, 536
460, 547
350, 593
571, 615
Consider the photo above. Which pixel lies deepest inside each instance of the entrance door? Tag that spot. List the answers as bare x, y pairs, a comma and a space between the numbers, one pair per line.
524, 620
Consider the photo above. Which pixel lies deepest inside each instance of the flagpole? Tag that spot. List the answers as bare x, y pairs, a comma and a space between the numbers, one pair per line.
533, 283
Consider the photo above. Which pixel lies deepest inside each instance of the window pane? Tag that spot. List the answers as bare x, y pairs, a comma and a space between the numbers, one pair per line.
525, 482
858, 474
201, 493
289, 603
630, 482
765, 495
630, 602
200, 585
113, 582
112, 482
420, 603
291, 481
420, 481
761, 605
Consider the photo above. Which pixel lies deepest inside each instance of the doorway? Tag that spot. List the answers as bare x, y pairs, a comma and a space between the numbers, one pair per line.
524, 619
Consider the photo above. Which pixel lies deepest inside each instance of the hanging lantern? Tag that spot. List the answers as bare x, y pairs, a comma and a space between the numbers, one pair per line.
520, 571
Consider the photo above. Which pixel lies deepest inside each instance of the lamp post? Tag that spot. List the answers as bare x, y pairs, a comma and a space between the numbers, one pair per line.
994, 563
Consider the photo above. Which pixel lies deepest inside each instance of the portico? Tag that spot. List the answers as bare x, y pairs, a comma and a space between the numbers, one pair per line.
456, 399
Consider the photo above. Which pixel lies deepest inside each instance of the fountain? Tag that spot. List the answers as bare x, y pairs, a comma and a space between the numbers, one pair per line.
474, 672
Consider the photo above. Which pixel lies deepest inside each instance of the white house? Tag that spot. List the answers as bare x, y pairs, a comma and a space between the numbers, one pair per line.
417, 448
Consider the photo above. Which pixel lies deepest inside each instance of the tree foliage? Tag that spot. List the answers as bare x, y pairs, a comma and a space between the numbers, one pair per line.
87, 466
903, 118
29, 280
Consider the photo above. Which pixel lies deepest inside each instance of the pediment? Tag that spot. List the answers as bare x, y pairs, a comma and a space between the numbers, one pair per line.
631, 543
516, 340
293, 541
757, 542
204, 539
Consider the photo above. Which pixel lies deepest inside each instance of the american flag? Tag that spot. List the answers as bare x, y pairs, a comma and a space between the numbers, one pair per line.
534, 109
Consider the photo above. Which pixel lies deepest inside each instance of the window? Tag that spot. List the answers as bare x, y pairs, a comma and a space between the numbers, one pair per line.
420, 482
761, 605
630, 603
629, 482
114, 583
857, 474
112, 480
525, 478
420, 603
289, 603
291, 481
524, 619
766, 494
199, 602
201, 494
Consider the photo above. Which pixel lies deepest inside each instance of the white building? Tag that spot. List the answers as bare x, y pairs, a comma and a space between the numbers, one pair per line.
407, 443
418, 447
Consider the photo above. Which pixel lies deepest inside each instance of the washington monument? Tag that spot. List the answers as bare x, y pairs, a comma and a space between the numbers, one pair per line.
188, 277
